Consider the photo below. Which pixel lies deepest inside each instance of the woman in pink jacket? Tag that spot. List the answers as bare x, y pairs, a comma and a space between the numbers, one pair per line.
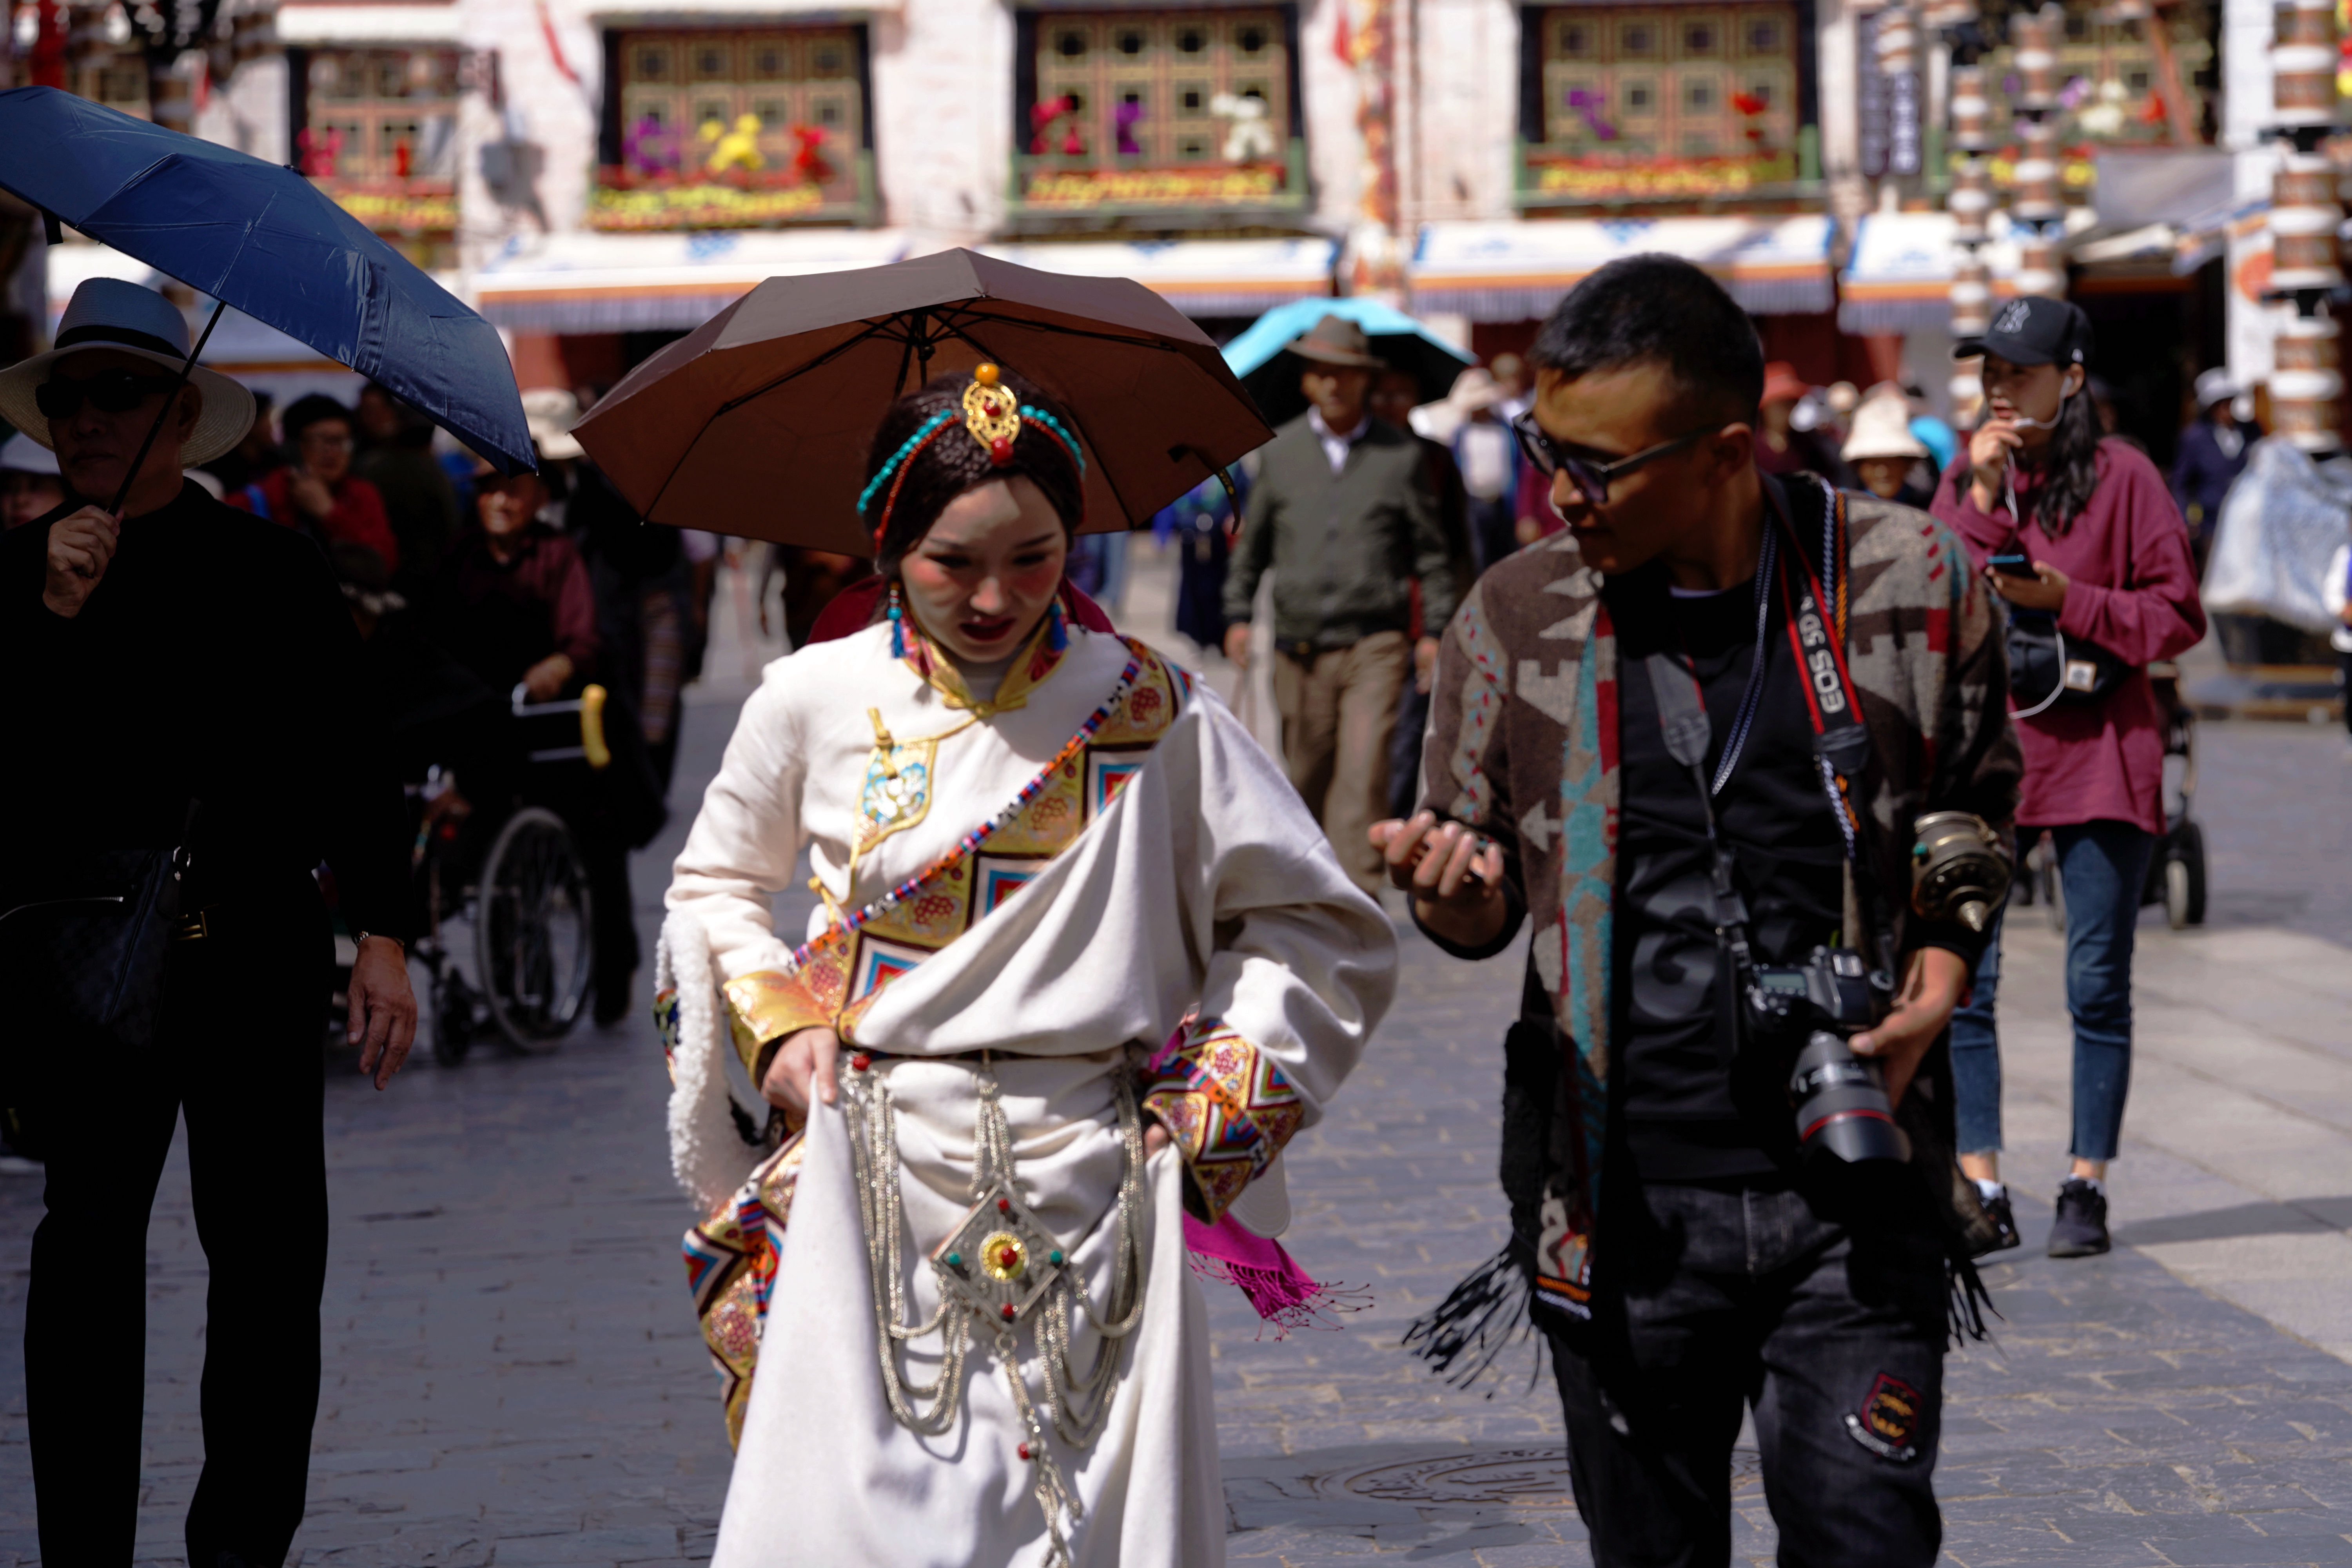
2081, 536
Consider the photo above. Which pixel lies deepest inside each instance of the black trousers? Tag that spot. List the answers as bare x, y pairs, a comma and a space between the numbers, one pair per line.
237, 1049
1710, 1299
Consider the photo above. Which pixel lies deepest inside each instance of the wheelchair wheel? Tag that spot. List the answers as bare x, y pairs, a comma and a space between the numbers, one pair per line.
2051, 895
532, 929
453, 1013
2184, 877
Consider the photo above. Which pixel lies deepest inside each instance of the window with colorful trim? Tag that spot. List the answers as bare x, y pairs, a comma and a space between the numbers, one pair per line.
1139, 109
1662, 101
724, 129
379, 115
2112, 77
378, 130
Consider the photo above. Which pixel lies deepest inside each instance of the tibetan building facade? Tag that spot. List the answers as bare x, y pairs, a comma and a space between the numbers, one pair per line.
598, 179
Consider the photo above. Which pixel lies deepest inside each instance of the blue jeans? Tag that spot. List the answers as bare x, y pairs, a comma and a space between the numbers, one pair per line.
2103, 866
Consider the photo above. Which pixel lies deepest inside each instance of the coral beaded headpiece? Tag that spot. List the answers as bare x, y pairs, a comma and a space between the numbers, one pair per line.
994, 415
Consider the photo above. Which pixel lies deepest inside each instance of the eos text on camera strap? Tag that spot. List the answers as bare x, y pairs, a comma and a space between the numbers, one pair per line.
1815, 605
1817, 632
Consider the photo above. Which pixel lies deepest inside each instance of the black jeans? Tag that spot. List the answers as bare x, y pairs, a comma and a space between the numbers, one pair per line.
1712, 1298
237, 1048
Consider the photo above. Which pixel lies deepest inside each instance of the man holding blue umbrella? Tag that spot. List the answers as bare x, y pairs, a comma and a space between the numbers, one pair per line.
170, 654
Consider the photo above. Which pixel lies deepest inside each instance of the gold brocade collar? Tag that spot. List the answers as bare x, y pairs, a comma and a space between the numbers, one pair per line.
1028, 670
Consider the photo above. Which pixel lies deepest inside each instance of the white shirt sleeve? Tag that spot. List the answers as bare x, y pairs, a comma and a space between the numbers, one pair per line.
746, 841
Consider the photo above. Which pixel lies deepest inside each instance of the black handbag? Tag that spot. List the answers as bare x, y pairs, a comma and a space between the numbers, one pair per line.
82, 942
2046, 667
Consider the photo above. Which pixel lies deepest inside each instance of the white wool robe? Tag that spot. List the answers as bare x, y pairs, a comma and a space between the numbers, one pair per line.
1202, 882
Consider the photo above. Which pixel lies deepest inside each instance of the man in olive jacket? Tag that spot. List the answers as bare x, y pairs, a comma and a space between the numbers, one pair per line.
1342, 512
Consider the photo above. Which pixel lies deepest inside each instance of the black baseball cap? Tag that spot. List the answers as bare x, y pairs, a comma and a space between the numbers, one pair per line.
2030, 329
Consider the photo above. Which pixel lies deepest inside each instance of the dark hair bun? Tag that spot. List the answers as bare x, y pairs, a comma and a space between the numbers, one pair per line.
953, 461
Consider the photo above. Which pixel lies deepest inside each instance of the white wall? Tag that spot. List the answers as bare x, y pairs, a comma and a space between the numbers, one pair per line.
1838, 90
942, 115
249, 113
1469, 113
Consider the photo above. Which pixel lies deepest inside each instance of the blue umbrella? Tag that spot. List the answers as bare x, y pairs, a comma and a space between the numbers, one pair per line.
266, 240
1406, 343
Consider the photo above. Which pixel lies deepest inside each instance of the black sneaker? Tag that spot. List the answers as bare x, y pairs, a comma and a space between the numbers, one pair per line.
2004, 1221
2080, 1229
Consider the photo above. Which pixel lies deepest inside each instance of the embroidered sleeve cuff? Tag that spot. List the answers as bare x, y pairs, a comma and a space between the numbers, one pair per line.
1227, 1109
764, 1006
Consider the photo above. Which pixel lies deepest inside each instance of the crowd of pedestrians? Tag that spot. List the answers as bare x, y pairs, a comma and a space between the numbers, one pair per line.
1648, 528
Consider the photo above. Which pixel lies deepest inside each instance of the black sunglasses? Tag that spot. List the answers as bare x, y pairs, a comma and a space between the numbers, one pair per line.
113, 391
1591, 478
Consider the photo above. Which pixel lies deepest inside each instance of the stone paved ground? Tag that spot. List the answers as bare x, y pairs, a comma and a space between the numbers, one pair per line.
513, 1377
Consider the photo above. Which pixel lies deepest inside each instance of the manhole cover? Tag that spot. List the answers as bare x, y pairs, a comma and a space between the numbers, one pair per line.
1495, 1478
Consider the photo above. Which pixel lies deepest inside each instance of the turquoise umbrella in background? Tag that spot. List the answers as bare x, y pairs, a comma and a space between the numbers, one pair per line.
1407, 343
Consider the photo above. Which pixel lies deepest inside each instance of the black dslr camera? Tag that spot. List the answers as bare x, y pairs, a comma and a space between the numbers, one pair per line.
1811, 1010
1959, 871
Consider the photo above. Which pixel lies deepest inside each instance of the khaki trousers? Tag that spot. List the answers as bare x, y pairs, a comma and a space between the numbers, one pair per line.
1338, 709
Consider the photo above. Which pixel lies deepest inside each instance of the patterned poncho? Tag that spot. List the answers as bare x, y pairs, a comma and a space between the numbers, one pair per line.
1522, 746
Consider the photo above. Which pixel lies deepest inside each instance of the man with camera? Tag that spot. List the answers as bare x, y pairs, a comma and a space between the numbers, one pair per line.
1694, 739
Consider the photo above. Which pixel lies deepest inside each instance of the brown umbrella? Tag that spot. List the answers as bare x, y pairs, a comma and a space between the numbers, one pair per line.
756, 423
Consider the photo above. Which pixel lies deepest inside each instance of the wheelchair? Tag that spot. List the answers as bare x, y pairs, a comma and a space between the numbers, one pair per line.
519, 879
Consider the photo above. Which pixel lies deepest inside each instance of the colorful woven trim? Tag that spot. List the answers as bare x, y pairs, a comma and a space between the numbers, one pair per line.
835, 978
1227, 1109
730, 1270
667, 1025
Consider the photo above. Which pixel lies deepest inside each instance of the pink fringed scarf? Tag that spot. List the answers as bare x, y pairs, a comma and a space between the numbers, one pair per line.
1284, 1295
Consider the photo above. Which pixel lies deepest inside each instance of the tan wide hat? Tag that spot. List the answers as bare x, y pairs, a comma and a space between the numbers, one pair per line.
110, 313
1882, 428
1335, 340
552, 412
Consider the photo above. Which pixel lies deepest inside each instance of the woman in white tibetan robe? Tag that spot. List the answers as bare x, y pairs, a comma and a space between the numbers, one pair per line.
1162, 865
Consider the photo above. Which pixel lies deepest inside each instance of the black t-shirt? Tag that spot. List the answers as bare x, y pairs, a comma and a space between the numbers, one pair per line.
1673, 1048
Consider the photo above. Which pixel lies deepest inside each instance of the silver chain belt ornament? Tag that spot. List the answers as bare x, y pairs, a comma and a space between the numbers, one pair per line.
999, 1267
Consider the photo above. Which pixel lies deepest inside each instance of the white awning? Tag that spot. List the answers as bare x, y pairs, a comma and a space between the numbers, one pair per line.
1898, 276
371, 22
1512, 272
585, 282
1199, 277
239, 345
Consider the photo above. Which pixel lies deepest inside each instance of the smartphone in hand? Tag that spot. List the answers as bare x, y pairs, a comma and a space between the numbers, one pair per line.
2014, 563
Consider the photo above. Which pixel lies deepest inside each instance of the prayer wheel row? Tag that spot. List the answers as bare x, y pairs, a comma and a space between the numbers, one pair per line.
2306, 382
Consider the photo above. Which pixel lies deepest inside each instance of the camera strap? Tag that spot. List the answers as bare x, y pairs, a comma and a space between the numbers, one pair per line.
1815, 605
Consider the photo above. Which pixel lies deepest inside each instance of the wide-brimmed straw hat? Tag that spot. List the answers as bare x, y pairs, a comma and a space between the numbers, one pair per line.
552, 412
20, 454
1882, 428
1335, 340
110, 313
2216, 385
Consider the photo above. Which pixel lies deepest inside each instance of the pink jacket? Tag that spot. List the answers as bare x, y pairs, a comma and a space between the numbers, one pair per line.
2134, 593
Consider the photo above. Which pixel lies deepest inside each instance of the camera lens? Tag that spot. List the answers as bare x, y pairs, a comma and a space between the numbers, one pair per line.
1841, 1106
